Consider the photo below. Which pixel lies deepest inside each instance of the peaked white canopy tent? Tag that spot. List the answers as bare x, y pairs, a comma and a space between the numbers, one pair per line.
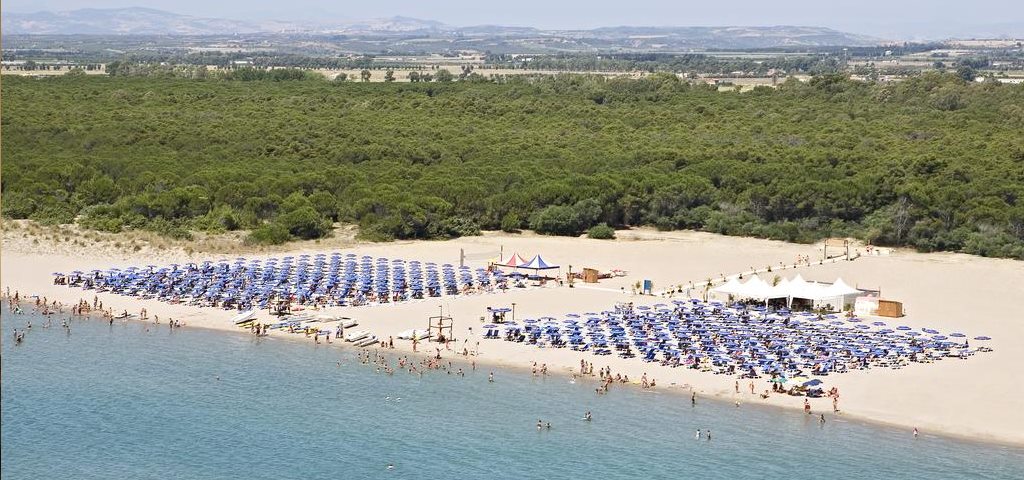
836, 294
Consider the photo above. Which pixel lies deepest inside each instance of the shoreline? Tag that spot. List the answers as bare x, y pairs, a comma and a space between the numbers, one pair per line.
563, 372
937, 412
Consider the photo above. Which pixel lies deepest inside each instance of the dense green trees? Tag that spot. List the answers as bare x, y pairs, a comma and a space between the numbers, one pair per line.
934, 162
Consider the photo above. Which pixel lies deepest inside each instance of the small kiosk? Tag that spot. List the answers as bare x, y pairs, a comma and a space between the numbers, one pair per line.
498, 314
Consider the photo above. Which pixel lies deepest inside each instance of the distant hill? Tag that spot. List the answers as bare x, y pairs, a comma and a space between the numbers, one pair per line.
147, 21
734, 36
121, 21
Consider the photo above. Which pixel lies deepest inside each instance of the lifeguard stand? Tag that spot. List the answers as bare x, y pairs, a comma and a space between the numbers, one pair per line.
440, 324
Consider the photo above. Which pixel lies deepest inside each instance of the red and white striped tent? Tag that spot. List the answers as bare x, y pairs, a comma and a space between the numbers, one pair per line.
515, 261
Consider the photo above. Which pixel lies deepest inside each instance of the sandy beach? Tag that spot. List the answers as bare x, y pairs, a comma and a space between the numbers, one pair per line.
978, 398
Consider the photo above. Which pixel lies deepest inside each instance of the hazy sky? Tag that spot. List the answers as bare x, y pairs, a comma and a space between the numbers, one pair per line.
879, 17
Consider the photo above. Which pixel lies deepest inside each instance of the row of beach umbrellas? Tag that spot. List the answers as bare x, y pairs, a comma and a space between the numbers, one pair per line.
335, 279
741, 340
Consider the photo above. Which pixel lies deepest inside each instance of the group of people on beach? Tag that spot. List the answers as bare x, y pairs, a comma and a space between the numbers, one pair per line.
42, 305
260, 329
81, 309
607, 379
543, 369
384, 365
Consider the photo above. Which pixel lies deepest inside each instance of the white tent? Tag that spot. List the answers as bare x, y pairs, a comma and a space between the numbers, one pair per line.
732, 287
838, 294
781, 289
756, 288
800, 288
839, 288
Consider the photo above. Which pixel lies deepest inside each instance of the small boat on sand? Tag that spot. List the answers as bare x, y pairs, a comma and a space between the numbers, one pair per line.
356, 336
244, 317
366, 342
417, 334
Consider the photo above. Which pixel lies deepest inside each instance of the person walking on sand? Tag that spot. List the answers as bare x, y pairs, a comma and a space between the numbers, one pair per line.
751, 387
737, 386
807, 407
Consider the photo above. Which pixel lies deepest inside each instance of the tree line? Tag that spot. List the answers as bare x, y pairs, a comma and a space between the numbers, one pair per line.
934, 162
695, 63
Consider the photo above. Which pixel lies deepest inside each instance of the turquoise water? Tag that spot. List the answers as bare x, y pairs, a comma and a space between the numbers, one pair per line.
120, 402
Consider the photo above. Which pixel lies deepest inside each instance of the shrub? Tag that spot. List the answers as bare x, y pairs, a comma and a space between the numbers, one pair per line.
601, 232
556, 220
304, 223
510, 223
168, 229
268, 234
53, 214
458, 227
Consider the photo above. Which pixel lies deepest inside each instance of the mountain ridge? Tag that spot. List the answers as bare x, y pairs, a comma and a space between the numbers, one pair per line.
149, 21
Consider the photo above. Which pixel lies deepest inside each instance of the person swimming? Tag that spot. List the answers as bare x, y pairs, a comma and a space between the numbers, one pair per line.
587, 416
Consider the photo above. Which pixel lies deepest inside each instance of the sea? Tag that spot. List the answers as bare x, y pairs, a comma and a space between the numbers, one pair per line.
140, 401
